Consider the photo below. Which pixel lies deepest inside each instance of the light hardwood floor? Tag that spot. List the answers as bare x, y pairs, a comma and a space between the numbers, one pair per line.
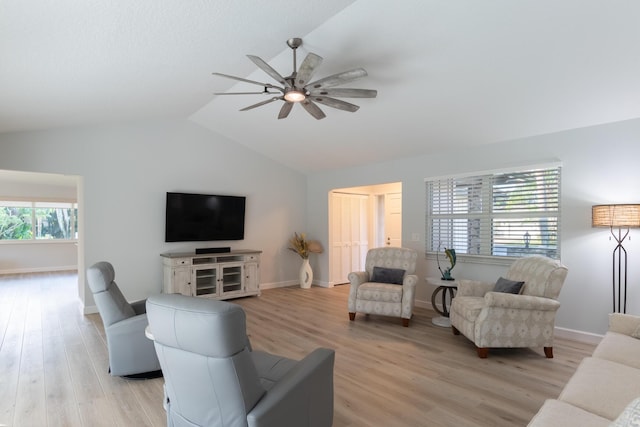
53, 363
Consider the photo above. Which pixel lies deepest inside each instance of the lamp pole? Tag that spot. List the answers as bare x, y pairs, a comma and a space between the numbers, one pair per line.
620, 251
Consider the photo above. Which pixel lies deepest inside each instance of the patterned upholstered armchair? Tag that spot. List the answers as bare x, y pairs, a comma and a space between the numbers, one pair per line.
497, 319
387, 287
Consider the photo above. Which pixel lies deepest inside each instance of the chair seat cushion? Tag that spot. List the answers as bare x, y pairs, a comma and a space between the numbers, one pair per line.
468, 307
381, 292
271, 368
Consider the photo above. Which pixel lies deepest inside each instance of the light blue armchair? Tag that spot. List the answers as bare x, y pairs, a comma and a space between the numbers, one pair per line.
131, 354
214, 378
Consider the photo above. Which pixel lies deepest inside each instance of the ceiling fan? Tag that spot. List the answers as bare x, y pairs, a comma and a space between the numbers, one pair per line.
296, 88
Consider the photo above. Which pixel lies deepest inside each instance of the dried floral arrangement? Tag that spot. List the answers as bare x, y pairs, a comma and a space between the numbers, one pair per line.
303, 247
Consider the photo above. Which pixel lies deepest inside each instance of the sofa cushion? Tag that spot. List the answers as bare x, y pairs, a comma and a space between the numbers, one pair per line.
602, 387
508, 286
558, 413
619, 348
392, 276
630, 417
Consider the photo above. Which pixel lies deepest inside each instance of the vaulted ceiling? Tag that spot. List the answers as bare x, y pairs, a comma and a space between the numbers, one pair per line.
448, 73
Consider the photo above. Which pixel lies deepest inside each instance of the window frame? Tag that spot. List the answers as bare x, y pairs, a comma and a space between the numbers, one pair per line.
37, 203
486, 217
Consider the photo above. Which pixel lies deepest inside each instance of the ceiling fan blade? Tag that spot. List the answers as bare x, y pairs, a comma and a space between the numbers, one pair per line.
259, 104
285, 110
267, 69
346, 93
336, 103
307, 68
245, 93
240, 79
313, 109
337, 79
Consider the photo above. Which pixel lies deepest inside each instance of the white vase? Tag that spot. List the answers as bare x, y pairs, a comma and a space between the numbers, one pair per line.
306, 274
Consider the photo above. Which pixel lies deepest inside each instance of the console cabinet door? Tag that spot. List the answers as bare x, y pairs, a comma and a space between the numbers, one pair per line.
231, 279
251, 277
205, 281
182, 281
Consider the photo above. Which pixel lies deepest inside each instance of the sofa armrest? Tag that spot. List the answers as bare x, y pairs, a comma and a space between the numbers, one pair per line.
623, 323
473, 288
305, 392
521, 302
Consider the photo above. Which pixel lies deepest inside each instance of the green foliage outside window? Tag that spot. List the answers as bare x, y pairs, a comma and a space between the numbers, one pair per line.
42, 220
15, 223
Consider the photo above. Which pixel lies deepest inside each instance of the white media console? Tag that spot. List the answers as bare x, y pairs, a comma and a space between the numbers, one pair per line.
214, 275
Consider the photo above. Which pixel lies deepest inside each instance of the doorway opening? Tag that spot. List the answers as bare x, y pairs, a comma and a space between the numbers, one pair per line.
50, 252
361, 218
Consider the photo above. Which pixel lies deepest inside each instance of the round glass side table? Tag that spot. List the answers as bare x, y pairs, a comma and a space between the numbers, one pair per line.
445, 291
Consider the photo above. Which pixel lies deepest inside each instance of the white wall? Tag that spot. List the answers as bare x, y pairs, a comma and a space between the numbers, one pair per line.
126, 171
600, 165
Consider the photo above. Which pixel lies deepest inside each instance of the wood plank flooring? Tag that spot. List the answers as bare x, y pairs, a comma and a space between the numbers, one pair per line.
53, 363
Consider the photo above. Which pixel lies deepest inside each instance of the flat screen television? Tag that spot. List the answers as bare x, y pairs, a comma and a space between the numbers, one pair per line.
203, 217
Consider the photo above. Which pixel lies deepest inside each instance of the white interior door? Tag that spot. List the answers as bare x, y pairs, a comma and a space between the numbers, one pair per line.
349, 235
393, 219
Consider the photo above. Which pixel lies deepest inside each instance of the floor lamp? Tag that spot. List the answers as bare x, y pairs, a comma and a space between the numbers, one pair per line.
623, 217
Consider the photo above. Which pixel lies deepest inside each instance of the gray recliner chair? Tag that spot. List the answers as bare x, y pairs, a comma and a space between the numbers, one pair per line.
131, 354
214, 378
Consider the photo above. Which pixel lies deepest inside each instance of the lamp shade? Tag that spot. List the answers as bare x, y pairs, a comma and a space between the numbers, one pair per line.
624, 216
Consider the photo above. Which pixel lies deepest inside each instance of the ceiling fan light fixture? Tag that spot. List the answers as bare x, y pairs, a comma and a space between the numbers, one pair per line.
294, 95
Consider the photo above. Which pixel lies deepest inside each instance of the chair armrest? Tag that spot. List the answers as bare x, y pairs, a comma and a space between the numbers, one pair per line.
131, 325
623, 323
473, 288
357, 278
139, 307
521, 302
306, 391
410, 280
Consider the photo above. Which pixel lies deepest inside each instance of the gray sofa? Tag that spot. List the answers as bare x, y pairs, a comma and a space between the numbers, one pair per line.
214, 378
605, 385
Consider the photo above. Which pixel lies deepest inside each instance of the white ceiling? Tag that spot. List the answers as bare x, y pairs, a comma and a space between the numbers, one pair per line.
448, 73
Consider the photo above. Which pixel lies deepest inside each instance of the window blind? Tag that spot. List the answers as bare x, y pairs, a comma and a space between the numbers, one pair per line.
495, 214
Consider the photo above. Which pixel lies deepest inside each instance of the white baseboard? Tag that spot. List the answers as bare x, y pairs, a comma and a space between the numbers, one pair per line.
90, 309
275, 285
580, 336
39, 269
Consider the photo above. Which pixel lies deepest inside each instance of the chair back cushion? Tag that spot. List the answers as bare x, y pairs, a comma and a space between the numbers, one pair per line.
542, 276
204, 352
112, 305
401, 258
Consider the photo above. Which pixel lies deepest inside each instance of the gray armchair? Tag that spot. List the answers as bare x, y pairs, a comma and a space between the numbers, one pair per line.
131, 354
214, 378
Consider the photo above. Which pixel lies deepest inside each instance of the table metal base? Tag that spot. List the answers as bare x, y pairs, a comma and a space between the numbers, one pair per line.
442, 321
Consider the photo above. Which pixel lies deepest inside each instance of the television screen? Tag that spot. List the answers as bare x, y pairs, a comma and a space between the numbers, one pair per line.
203, 217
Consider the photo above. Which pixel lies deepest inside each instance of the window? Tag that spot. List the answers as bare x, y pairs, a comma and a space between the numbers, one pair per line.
501, 214
29, 220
